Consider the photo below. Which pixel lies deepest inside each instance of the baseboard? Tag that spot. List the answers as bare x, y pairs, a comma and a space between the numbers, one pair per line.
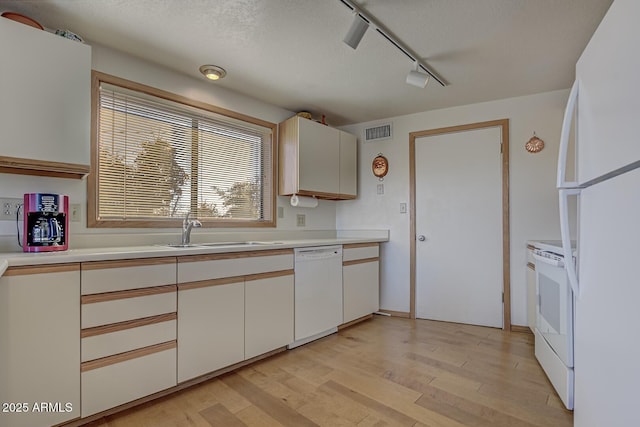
521, 329
393, 313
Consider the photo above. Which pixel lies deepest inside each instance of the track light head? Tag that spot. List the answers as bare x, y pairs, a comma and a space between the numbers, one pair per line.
416, 78
358, 27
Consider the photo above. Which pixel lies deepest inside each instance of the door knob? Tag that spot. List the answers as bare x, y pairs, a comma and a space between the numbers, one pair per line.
422, 238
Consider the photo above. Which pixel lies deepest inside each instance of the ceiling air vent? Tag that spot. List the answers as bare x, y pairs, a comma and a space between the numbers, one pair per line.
377, 133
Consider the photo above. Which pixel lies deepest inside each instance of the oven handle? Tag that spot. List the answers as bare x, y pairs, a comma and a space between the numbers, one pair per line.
569, 266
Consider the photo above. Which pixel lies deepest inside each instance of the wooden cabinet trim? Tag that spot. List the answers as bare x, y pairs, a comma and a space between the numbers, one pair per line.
34, 167
128, 355
360, 261
234, 255
359, 245
531, 266
128, 324
123, 263
268, 275
24, 270
210, 282
234, 279
132, 293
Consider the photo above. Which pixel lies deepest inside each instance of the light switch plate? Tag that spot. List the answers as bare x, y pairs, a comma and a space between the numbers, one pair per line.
403, 207
380, 189
76, 212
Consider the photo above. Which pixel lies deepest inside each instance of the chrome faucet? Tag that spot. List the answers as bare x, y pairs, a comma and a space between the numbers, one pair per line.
187, 225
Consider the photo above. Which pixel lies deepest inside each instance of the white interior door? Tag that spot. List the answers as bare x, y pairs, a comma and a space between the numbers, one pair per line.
458, 213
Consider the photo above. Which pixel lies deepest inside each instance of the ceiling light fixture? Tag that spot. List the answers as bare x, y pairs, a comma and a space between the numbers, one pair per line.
416, 78
358, 27
213, 72
395, 42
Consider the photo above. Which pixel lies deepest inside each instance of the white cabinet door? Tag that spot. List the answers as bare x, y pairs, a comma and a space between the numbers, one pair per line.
361, 289
45, 105
532, 295
210, 327
348, 165
319, 153
40, 343
268, 314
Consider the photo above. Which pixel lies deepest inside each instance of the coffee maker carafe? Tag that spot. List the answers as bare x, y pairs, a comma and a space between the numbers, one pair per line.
46, 222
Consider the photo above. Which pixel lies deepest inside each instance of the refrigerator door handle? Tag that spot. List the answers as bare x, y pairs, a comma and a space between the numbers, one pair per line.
569, 265
564, 138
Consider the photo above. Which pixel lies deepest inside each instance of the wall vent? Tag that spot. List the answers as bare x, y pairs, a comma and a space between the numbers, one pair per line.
378, 132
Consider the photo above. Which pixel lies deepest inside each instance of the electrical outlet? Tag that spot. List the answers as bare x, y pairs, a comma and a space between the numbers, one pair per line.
280, 212
76, 212
9, 207
380, 189
300, 220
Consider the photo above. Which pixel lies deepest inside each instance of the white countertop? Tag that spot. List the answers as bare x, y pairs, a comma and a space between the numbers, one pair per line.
130, 252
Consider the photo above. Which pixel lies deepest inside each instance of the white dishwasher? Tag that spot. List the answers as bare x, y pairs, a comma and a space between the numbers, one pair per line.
318, 293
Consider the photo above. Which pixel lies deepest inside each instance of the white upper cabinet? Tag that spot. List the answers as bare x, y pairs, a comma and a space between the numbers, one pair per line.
45, 107
348, 165
316, 160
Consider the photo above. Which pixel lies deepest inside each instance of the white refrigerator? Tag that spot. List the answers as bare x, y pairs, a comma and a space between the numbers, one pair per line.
605, 105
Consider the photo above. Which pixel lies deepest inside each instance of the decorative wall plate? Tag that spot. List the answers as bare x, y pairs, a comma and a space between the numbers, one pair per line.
380, 166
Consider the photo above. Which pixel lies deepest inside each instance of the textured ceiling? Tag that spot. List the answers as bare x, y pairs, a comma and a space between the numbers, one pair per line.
290, 53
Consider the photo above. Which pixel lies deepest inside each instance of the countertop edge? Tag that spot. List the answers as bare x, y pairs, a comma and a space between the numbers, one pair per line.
153, 251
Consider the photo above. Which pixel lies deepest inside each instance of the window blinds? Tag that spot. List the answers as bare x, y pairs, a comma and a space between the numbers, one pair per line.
161, 159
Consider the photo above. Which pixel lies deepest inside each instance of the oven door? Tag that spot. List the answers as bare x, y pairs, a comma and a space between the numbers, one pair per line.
554, 317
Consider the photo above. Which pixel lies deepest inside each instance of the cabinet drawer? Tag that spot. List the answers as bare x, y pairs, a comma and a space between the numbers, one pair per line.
115, 384
193, 269
110, 276
120, 341
128, 307
354, 252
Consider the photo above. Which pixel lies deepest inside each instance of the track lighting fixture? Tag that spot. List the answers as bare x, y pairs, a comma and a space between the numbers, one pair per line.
358, 27
213, 72
416, 78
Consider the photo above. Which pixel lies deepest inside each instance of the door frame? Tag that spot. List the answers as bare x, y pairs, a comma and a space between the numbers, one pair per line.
503, 124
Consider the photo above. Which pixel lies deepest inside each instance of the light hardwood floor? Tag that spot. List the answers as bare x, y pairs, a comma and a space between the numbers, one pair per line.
382, 372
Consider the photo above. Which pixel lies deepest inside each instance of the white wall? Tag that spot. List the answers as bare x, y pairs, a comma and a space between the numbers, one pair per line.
128, 67
533, 198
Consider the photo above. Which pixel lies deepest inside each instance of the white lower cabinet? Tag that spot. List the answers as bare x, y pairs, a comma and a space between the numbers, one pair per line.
210, 327
360, 280
128, 318
269, 314
532, 295
232, 307
39, 345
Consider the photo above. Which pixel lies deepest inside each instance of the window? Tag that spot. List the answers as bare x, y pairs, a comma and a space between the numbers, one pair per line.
157, 156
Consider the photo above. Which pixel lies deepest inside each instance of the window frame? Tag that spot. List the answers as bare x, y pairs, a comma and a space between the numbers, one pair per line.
93, 221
